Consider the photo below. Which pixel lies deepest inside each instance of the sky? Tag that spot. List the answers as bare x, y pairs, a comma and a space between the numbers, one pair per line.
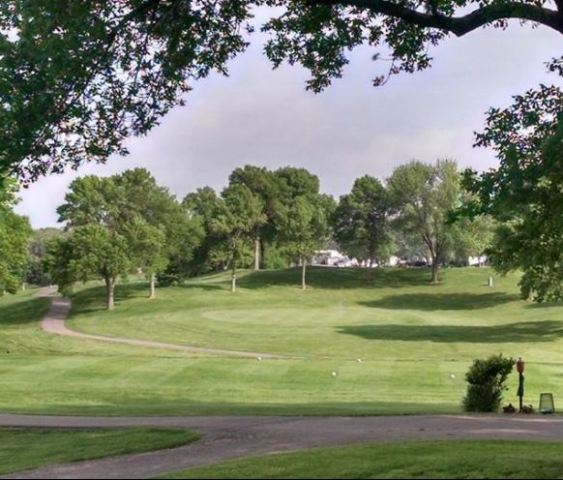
265, 117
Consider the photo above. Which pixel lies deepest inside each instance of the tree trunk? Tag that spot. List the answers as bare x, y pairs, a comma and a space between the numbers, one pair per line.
257, 248
152, 287
303, 273
234, 279
435, 267
110, 289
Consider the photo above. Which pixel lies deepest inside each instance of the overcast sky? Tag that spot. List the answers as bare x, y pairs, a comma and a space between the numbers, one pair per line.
263, 117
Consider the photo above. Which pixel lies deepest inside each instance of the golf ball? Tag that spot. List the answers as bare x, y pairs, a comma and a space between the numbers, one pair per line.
334, 374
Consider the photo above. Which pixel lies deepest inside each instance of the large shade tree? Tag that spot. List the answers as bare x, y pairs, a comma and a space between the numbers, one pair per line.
239, 214
131, 205
264, 184
305, 227
89, 252
78, 78
15, 233
361, 222
525, 193
424, 195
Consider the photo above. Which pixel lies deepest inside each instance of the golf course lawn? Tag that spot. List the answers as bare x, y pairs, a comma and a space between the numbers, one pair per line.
358, 342
32, 448
454, 459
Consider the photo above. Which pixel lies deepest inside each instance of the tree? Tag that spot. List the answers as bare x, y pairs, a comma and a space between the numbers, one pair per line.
152, 221
239, 215
424, 195
147, 247
201, 207
15, 233
90, 251
35, 271
264, 184
524, 192
304, 227
472, 237
531, 235
361, 221
131, 205
78, 78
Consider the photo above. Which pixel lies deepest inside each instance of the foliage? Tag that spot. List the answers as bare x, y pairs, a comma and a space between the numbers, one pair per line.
423, 196
36, 274
240, 213
524, 193
361, 221
133, 206
78, 78
90, 251
486, 380
305, 227
15, 233
201, 207
265, 185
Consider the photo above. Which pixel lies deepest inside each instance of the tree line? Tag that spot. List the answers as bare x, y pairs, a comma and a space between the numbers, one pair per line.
262, 219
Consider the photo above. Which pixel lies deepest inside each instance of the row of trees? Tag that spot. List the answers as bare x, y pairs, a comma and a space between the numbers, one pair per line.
264, 218
127, 222
412, 215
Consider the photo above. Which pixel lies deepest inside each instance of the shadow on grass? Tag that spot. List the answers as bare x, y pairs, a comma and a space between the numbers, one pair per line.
337, 278
441, 301
545, 331
92, 299
22, 312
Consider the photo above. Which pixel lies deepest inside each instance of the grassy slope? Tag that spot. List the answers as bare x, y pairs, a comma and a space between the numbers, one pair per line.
483, 459
32, 448
410, 335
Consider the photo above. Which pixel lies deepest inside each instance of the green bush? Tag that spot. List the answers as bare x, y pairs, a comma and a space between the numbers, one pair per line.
486, 380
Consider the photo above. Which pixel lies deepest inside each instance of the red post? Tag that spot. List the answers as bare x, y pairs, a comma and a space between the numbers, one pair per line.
520, 370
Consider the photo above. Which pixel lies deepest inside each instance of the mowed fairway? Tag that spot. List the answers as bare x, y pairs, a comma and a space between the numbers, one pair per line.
395, 343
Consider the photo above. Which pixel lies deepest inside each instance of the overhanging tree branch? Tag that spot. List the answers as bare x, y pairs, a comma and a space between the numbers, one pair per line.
462, 25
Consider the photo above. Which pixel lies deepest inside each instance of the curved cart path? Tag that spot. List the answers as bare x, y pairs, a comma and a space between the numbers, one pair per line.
225, 438
54, 322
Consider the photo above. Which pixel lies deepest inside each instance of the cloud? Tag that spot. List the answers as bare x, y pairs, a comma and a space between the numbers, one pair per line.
264, 117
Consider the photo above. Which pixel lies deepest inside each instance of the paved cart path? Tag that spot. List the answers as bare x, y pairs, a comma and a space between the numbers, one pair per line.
225, 438
54, 322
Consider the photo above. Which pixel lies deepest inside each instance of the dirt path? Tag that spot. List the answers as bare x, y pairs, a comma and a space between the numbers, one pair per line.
54, 322
226, 438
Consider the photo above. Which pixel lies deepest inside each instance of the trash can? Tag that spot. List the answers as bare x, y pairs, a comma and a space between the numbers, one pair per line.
546, 403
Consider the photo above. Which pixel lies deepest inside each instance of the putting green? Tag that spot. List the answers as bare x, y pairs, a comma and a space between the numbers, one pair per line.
392, 343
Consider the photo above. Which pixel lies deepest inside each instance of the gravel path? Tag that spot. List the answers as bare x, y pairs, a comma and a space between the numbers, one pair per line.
225, 438
54, 322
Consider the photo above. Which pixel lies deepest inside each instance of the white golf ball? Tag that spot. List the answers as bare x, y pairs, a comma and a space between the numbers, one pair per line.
334, 374
359, 360
259, 359
452, 376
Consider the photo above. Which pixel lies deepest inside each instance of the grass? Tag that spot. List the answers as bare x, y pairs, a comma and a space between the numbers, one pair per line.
455, 459
33, 448
415, 342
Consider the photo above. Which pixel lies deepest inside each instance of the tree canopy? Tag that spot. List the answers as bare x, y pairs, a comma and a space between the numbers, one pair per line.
361, 221
15, 233
78, 78
424, 195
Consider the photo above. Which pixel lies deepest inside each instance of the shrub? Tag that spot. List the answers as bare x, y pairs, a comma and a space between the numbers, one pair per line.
486, 383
